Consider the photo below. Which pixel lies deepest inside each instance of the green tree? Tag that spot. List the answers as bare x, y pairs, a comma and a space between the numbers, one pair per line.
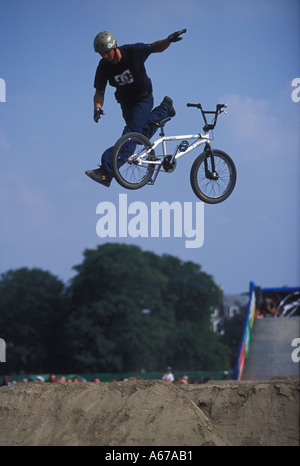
32, 313
192, 292
114, 286
124, 310
132, 309
193, 295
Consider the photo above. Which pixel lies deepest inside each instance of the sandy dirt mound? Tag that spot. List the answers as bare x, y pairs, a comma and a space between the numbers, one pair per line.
121, 414
252, 413
151, 413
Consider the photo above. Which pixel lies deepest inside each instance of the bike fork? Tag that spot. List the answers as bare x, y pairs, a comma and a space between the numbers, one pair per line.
210, 174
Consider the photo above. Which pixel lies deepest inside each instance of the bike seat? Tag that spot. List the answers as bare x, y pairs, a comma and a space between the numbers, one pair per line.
160, 123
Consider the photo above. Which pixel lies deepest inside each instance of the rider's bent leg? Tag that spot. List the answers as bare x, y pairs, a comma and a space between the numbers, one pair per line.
158, 113
135, 116
138, 118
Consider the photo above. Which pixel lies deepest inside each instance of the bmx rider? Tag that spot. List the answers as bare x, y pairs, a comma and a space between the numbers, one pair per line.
123, 67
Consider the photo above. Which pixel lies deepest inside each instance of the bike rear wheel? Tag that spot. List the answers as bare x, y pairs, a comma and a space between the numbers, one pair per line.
131, 171
210, 187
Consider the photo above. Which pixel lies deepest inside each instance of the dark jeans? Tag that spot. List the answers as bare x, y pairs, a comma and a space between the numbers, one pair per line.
137, 118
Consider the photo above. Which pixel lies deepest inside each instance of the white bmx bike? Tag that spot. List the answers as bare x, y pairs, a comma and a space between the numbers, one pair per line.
136, 161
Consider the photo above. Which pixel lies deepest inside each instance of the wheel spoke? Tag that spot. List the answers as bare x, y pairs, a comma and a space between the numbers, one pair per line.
131, 171
213, 186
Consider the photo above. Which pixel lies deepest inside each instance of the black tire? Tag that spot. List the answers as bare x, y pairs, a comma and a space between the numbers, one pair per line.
129, 174
213, 191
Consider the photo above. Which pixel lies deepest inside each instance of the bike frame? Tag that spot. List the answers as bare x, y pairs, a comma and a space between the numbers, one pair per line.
140, 159
201, 139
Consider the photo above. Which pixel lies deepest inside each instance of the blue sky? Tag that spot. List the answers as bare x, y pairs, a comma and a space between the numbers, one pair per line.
243, 52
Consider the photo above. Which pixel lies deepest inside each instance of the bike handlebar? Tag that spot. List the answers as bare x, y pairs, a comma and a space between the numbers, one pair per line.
219, 109
194, 105
220, 106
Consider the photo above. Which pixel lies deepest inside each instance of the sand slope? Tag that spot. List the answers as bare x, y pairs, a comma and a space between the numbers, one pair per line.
151, 413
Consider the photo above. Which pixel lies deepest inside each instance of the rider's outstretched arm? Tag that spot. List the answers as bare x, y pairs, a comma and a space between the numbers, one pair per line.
161, 45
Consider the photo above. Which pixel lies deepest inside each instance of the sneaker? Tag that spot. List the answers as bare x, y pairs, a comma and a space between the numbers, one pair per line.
100, 175
168, 102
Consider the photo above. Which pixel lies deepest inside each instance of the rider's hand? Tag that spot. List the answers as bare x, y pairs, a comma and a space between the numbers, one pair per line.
97, 114
175, 36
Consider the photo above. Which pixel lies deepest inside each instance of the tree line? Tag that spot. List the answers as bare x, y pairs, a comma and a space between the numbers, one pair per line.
124, 310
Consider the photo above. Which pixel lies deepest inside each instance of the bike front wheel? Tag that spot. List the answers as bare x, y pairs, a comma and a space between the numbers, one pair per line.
130, 158
211, 186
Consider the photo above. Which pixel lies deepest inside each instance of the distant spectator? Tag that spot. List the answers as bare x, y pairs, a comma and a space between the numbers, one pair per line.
168, 375
269, 308
272, 306
52, 378
183, 379
40, 379
96, 380
207, 379
6, 381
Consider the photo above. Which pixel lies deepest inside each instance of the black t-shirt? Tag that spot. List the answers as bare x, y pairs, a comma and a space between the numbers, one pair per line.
129, 76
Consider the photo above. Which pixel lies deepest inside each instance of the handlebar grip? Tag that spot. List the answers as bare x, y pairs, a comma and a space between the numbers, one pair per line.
193, 105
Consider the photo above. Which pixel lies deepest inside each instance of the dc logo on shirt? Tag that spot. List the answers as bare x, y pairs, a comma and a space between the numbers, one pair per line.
124, 78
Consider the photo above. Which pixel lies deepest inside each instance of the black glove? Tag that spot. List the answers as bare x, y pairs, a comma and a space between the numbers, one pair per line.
97, 114
175, 36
